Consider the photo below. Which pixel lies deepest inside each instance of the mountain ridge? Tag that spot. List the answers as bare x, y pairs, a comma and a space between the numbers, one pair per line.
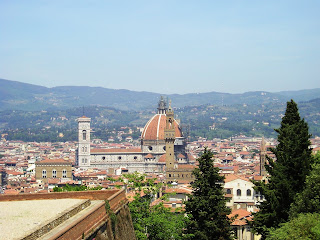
15, 95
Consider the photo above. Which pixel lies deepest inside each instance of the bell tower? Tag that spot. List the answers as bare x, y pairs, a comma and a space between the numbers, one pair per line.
169, 137
263, 157
83, 152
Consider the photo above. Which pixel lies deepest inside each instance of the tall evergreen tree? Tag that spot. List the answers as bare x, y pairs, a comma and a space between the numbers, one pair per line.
206, 207
287, 174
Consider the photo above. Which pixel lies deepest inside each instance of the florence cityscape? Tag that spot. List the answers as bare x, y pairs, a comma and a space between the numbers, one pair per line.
159, 120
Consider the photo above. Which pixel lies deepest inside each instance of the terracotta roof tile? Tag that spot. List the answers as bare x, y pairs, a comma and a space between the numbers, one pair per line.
154, 129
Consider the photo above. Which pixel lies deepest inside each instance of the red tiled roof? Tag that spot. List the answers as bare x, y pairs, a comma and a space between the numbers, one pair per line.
154, 129
149, 156
186, 166
162, 158
11, 192
177, 190
231, 177
56, 160
241, 213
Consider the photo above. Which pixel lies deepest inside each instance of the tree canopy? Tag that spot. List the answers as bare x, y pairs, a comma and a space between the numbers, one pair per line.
303, 227
206, 207
152, 221
287, 174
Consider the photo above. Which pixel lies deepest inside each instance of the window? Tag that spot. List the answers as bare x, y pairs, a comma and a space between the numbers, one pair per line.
135, 157
238, 192
44, 173
103, 158
150, 148
169, 175
84, 134
119, 158
228, 191
64, 173
248, 192
54, 173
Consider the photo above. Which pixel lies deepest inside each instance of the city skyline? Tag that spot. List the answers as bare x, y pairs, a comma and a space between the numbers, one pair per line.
162, 47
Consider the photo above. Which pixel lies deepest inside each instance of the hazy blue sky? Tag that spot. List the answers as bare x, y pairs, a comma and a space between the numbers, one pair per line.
162, 46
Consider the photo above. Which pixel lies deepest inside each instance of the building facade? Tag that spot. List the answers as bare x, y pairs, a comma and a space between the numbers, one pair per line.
53, 168
148, 158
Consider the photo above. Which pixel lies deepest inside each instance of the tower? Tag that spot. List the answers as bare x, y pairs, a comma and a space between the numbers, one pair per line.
169, 137
162, 106
263, 154
83, 152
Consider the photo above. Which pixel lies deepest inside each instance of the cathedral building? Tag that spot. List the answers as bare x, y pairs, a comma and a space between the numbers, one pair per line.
150, 157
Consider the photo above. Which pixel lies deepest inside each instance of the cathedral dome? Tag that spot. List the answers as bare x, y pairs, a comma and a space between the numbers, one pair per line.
154, 129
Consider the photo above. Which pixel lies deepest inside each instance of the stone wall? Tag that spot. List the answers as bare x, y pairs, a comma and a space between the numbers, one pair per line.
119, 227
109, 220
92, 195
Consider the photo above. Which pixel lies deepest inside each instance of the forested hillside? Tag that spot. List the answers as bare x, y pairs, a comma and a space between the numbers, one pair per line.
208, 121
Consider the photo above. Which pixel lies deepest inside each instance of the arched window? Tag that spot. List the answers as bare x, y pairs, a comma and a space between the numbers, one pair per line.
169, 175
64, 173
228, 191
84, 134
44, 173
238, 192
54, 173
248, 192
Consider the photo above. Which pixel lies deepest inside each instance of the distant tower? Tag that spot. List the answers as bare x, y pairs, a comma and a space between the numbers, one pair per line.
83, 156
169, 137
162, 106
263, 154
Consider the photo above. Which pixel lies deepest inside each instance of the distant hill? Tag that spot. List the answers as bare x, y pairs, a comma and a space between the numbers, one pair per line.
22, 96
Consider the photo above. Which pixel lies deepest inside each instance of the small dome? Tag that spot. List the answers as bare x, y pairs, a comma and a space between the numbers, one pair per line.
154, 129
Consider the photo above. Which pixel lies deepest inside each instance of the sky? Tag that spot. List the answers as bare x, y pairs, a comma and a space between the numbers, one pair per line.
174, 46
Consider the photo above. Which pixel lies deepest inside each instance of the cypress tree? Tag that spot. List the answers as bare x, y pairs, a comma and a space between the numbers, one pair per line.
287, 174
206, 207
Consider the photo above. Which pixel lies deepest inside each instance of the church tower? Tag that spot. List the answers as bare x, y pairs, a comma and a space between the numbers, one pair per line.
169, 137
162, 106
83, 152
263, 157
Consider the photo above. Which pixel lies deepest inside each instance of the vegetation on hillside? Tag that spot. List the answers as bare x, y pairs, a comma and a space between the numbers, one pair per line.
209, 121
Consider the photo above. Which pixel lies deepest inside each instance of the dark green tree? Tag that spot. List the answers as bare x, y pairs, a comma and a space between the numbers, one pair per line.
206, 207
308, 201
287, 174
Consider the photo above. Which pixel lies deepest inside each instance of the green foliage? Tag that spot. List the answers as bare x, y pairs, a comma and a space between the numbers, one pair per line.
152, 222
112, 216
70, 188
287, 174
308, 201
206, 207
303, 227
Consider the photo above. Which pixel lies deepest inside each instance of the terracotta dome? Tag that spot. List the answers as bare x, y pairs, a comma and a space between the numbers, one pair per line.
154, 129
